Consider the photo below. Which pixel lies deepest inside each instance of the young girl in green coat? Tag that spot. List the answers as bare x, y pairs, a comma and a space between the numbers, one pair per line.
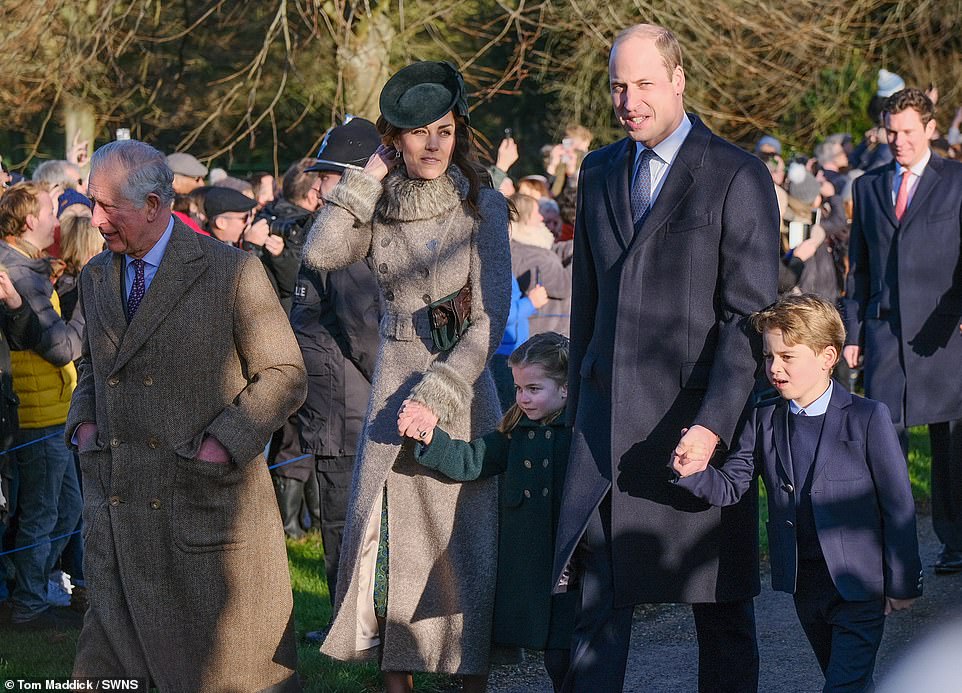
530, 450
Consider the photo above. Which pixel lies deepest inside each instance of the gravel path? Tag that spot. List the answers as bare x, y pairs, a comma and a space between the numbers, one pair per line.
664, 652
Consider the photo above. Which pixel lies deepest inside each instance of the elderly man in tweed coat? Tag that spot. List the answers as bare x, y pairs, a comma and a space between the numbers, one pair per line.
189, 365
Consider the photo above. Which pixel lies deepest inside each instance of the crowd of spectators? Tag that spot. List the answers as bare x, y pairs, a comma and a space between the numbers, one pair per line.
48, 236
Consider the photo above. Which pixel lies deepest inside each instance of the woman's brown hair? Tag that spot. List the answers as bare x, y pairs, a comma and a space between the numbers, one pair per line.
548, 350
465, 155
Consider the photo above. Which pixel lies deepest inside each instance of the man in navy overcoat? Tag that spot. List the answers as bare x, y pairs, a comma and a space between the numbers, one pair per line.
676, 243
904, 300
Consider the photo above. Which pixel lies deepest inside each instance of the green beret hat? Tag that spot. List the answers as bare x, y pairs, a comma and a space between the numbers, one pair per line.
421, 93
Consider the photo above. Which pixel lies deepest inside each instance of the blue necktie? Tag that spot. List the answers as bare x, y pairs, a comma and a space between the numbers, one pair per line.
137, 290
641, 190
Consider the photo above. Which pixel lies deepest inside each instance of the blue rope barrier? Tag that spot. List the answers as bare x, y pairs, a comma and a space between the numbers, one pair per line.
295, 459
31, 442
40, 543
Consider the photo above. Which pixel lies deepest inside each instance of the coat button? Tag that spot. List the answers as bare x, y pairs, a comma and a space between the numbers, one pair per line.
153, 443
155, 504
426, 299
547, 435
544, 492
531, 435
113, 381
115, 501
789, 524
788, 488
148, 381
382, 268
545, 463
115, 442
527, 463
389, 295
386, 241
527, 493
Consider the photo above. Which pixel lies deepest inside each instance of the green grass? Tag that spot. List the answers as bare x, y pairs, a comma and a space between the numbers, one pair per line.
51, 655
920, 461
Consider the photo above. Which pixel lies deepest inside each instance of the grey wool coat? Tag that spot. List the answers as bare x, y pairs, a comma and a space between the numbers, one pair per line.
424, 244
185, 559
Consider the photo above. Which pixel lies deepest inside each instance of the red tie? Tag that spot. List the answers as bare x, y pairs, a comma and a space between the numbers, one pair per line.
902, 199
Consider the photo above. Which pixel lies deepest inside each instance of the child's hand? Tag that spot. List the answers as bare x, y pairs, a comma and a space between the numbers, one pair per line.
691, 456
892, 604
416, 421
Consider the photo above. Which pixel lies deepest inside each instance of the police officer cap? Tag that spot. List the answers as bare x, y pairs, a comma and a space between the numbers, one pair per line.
347, 146
421, 93
221, 200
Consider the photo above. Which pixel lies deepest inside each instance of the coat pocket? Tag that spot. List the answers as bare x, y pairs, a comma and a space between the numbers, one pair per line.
205, 506
690, 223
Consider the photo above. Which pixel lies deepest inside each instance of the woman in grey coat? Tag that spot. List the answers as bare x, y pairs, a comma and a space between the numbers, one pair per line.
419, 211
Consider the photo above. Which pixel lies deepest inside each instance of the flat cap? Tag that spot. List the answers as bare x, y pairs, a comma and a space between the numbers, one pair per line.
186, 165
421, 93
221, 200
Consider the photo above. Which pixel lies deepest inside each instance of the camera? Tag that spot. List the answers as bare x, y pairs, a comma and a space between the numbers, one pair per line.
279, 226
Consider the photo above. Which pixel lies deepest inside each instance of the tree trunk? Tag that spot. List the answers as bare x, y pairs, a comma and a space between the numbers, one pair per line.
365, 65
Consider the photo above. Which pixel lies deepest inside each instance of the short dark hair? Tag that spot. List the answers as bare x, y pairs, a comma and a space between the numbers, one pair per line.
910, 98
298, 182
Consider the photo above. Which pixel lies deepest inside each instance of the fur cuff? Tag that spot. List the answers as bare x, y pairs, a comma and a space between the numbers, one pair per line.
357, 192
444, 391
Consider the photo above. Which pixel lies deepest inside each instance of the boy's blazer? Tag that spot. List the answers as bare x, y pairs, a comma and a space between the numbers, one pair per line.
861, 496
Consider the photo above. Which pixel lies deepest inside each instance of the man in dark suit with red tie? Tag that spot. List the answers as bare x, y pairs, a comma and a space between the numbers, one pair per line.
676, 244
904, 300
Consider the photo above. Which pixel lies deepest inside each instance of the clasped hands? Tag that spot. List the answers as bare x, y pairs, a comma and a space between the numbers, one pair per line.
694, 451
417, 421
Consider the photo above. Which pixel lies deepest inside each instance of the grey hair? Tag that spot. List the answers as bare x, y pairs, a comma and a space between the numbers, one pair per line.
145, 170
827, 151
56, 172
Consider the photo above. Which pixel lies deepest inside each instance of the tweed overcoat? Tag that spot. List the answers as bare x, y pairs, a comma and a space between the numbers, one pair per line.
185, 560
424, 244
660, 342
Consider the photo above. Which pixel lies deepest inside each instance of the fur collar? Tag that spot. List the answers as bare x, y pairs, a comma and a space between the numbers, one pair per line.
413, 199
538, 235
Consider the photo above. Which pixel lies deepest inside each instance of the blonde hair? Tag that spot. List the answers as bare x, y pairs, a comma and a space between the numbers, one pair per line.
17, 203
548, 350
79, 241
665, 42
525, 205
579, 131
804, 319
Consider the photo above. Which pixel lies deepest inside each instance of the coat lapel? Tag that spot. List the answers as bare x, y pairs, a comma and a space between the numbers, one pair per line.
618, 181
107, 277
930, 177
835, 416
679, 180
782, 448
183, 263
883, 190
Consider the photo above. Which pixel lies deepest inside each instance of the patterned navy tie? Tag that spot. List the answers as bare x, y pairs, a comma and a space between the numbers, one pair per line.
137, 290
641, 191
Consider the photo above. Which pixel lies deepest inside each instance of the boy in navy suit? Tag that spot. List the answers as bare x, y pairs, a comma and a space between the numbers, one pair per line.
841, 527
